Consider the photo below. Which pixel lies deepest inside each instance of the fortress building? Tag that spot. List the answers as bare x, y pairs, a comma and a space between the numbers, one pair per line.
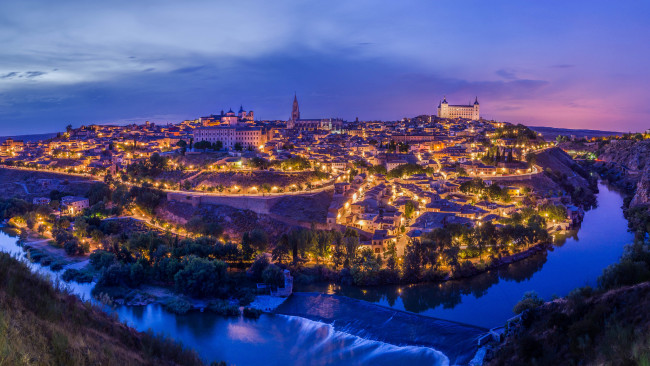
231, 135
229, 118
232, 128
469, 111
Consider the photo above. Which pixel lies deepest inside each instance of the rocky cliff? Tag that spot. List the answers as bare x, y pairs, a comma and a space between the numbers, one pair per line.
567, 175
632, 158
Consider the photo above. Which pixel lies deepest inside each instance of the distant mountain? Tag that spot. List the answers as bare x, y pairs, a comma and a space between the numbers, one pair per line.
550, 133
30, 138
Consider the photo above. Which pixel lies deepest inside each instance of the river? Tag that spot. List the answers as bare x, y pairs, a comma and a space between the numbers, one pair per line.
485, 301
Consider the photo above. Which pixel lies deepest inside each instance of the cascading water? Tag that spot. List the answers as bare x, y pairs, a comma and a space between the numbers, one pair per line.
270, 340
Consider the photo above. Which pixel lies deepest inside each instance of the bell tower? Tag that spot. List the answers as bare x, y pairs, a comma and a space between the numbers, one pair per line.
295, 111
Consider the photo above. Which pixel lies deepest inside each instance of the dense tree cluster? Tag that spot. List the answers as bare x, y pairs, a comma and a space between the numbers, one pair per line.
148, 168
196, 267
478, 187
203, 145
407, 170
522, 134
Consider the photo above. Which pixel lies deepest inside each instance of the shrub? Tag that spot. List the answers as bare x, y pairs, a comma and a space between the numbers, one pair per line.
252, 313
273, 276
178, 306
72, 247
246, 296
114, 275
465, 269
101, 259
200, 277
529, 301
224, 308
624, 273
77, 276
258, 267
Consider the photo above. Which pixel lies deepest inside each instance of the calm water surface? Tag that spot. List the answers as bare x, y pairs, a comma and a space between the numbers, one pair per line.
485, 300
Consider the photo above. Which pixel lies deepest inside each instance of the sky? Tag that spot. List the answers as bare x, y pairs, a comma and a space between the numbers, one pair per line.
570, 64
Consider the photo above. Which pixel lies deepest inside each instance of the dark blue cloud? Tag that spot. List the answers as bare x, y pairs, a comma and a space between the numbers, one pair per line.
69, 62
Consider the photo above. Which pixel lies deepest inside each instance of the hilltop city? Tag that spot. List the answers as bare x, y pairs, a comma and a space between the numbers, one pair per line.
390, 181
227, 212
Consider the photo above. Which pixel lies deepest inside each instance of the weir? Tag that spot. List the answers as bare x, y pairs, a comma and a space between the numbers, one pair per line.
457, 341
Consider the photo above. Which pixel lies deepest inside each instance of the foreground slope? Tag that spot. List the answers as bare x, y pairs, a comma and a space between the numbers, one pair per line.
610, 328
40, 325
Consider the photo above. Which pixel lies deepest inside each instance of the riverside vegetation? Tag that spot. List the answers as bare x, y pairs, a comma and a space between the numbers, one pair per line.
42, 324
607, 324
203, 264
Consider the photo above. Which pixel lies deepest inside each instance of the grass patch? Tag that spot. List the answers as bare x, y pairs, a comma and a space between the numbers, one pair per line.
43, 325
77, 276
224, 308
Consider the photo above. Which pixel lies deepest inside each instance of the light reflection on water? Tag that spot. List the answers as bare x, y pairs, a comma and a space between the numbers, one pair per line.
484, 300
487, 299
270, 340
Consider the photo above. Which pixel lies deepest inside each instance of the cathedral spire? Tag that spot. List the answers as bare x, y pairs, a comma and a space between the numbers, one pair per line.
295, 110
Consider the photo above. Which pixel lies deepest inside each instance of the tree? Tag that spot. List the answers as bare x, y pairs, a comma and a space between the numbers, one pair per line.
200, 277
259, 240
391, 256
203, 145
321, 247
101, 259
158, 163
409, 209
136, 274
146, 197
338, 254
273, 276
461, 172
72, 247
351, 244
218, 145
298, 240
365, 270
80, 227
392, 146
529, 301
98, 192
412, 263
238, 146
531, 158
377, 169
281, 251
246, 247
258, 267
403, 147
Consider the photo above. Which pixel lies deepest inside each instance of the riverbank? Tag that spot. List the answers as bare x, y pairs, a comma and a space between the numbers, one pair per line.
42, 324
486, 299
288, 340
40, 251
